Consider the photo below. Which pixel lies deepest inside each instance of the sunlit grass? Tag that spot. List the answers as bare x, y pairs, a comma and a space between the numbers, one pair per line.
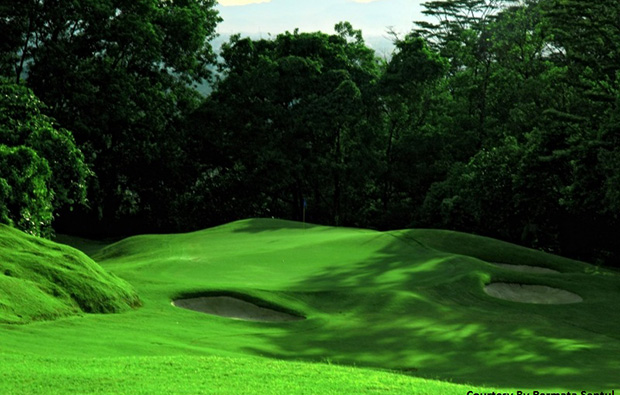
205, 375
408, 305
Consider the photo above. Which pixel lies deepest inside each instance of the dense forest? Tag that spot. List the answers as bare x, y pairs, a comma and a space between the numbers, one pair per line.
497, 117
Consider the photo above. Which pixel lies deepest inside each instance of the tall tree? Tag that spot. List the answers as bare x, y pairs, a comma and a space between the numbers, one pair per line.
462, 35
587, 36
544, 173
117, 73
295, 114
410, 88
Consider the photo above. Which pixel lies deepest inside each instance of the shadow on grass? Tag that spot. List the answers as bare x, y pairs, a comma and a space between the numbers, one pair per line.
262, 225
417, 311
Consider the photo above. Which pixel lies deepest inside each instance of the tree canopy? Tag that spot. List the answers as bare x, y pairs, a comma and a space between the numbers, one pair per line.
497, 117
119, 74
41, 168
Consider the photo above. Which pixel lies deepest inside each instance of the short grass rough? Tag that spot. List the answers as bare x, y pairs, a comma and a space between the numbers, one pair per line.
386, 312
43, 280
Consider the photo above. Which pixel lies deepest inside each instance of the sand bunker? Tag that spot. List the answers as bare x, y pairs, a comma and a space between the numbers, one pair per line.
228, 306
526, 268
540, 294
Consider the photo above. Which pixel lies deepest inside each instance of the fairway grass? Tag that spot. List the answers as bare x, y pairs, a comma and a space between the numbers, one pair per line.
386, 312
208, 374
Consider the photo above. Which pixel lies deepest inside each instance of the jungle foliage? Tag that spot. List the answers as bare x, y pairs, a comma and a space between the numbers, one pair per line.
499, 118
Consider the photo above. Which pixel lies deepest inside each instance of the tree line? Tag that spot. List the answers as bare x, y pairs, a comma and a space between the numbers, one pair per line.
497, 117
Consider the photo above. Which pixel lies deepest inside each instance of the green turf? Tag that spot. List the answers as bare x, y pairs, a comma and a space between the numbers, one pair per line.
41, 280
209, 374
409, 303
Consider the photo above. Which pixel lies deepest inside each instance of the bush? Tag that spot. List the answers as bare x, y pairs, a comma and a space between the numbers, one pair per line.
25, 192
41, 168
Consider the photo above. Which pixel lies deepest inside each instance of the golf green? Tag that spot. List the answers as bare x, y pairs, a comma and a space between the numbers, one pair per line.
410, 305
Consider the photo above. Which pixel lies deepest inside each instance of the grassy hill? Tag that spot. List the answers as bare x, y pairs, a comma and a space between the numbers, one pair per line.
386, 312
42, 280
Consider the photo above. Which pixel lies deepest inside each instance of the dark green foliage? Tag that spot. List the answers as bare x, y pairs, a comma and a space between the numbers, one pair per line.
41, 169
23, 123
291, 122
27, 200
410, 91
119, 75
542, 173
500, 118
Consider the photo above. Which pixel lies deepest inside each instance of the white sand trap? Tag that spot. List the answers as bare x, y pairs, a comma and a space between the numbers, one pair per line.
227, 306
540, 294
526, 268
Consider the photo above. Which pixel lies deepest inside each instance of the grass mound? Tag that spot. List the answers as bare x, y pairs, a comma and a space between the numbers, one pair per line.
42, 280
489, 249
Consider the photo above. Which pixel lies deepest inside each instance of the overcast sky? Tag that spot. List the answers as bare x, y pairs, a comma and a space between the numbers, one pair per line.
373, 17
